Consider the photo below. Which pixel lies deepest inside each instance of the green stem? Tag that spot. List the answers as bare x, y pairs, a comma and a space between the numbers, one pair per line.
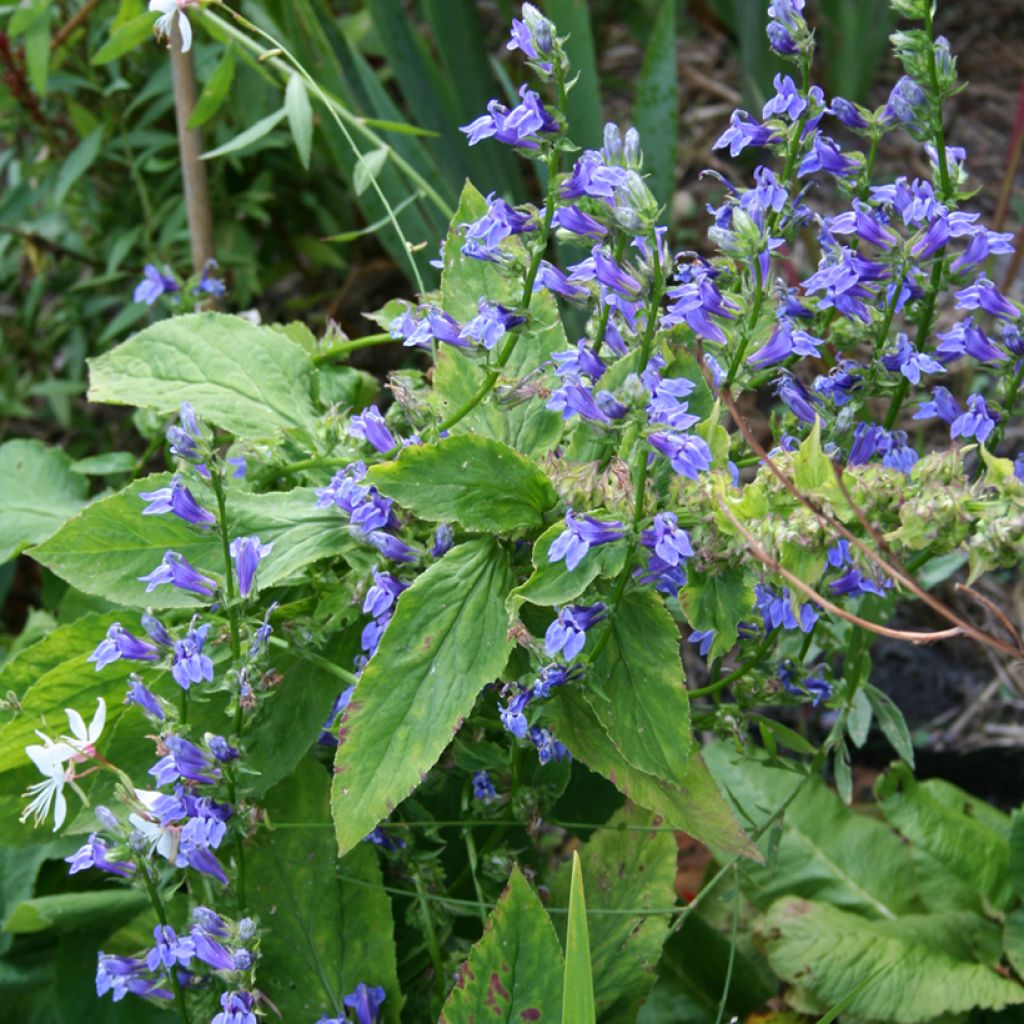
757, 658
229, 573
344, 347
161, 916
433, 946
471, 857
316, 659
732, 947
940, 135
755, 312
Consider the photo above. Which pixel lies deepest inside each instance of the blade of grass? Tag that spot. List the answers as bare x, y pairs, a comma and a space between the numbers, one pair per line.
585, 113
578, 990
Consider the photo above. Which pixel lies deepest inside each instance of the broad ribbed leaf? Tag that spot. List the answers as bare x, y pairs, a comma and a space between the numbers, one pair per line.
514, 973
39, 494
552, 583
481, 484
826, 852
624, 871
327, 926
719, 599
578, 990
523, 424
696, 807
924, 963
448, 637
945, 822
637, 689
106, 547
250, 380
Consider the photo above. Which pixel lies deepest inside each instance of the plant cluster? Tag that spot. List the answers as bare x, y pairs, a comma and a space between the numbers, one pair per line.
459, 599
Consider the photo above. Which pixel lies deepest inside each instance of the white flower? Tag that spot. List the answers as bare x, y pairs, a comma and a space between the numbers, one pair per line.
83, 742
169, 10
49, 758
162, 838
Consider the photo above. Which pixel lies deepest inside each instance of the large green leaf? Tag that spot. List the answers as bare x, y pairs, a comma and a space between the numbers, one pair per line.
514, 973
636, 687
624, 871
718, 599
826, 851
553, 583
696, 807
481, 484
74, 910
521, 423
250, 380
578, 990
39, 494
946, 823
924, 963
106, 547
18, 870
327, 925
448, 637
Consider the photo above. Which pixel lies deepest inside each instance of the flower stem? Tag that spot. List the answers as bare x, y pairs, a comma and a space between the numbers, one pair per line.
229, 573
161, 916
755, 312
757, 658
344, 347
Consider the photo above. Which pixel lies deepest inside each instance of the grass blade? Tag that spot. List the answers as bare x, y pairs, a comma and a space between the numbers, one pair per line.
572, 18
578, 992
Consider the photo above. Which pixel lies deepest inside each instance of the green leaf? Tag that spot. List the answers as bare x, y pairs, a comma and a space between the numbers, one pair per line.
697, 807
37, 51
81, 158
106, 464
300, 117
893, 724
923, 963
552, 583
578, 989
39, 494
216, 90
1013, 940
718, 599
944, 821
368, 168
513, 973
584, 110
521, 422
326, 929
481, 484
448, 637
74, 910
249, 380
656, 112
1016, 862
264, 126
106, 547
812, 468
18, 870
637, 689
125, 37
826, 851
625, 869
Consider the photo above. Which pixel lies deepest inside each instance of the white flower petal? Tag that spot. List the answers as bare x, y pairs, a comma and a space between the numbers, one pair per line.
77, 725
60, 809
98, 720
186, 32
165, 7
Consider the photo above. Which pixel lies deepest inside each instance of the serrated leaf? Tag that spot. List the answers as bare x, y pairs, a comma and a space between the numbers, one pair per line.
922, 970
718, 599
216, 90
697, 807
106, 547
624, 871
481, 484
40, 493
255, 132
448, 637
367, 168
812, 468
300, 117
552, 583
578, 989
125, 37
514, 973
249, 380
328, 926
638, 689
943, 821
826, 851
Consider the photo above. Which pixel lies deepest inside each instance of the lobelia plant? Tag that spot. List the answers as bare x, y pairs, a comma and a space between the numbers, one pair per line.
508, 555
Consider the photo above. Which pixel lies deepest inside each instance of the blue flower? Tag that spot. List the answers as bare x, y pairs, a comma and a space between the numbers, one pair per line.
853, 581
703, 639
177, 571
786, 340
667, 405
850, 114
185, 437
183, 760
694, 300
572, 219
744, 131
153, 285
369, 426
94, 855
568, 633
443, 540
236, 1008
261, 636
169, 950
380, 837
966, 338
777, 610
578, 399
556, 281
800, 402
121, 975
208, 284
366, 1003
582, 532
381, 597
178, 499
210, 951
591, 176
220, 748
813, 686
392, 547
983, 294
534, 36
521, 126
483, 237
248, 552
119, 643
909, 362
689, 454
906, 105
942, 404
978, 421
548, 748
138, 694
666, 540
483, 788
581, 361
787, 26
